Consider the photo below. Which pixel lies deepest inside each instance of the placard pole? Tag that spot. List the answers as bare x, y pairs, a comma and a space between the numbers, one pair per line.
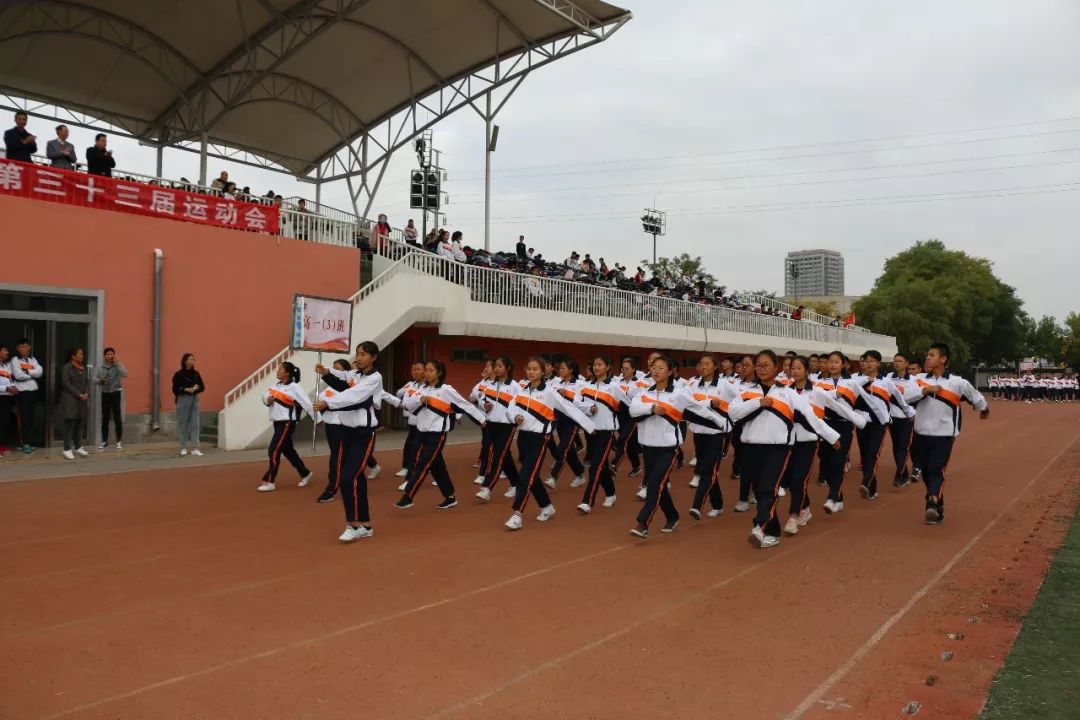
314, 422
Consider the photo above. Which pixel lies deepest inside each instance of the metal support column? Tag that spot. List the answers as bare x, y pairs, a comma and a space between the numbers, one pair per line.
202, 160
160, 172
487, 176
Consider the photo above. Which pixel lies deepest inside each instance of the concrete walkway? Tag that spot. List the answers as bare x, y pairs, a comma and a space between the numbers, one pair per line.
46, 464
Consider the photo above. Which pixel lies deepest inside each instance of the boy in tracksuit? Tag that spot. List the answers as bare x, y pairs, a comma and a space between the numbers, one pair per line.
26, 371
937, 424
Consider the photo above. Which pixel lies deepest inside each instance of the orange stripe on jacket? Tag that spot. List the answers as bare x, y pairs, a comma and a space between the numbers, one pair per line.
881, 392
603, 397
535, 406
724, 404
439, 405
670, 410
782, 408
846, 393
282, 398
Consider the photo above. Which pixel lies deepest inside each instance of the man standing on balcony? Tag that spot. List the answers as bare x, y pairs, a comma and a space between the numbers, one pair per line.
60, 152
522, 250
221, 182
18, 143
99, 160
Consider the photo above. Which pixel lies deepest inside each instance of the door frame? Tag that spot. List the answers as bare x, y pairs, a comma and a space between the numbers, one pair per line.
96, 346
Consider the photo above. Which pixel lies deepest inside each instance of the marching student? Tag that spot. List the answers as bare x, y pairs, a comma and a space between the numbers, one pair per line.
601, 399
880, 395
476, 397
727, 370
834, 456
25, 370
335, 434
901, 430
659, 411
747, 387
534, 413
342, 376
287, 401
915, 369
937, 424
814, 368
408, 450
567, 385
768, 422
710, 438
435, 407
499, 394
626, 445
806, 441
356, 408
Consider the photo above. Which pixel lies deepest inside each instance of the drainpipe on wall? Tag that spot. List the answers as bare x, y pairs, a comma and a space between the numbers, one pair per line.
155, 380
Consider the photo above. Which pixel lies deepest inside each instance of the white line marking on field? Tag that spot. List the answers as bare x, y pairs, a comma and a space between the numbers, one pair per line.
831, 681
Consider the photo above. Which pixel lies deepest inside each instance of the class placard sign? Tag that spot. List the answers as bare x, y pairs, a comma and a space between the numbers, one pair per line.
322, 324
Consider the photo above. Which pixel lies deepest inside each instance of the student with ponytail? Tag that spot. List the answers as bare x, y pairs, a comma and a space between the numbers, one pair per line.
335, 437
836, 379
476, 397
356, 409
710, 438
601, 399
436, 407
567, 385
534, 414
626, 444
498, 395
287, 401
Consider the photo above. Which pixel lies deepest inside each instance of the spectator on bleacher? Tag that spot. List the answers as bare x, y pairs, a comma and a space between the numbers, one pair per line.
246, 192
380, 237
410, 233
60, 152
797, 314
849, 320
531, 253
604, 268
522, 252
229, 191
456, 250
221, 181
587, 265
574, 261
443, 247
99, 159
19, 144
639, 277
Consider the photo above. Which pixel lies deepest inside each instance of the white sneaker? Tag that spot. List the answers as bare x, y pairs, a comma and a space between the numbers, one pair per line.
403, 472
695, 481
183, 452
305, 480
584, 508
805, 516
609, 501
267, 487
352, 534
402, 486
715, 512
545, 513
511, 492
792, 526
693, 461
478, 480
829, 506
484, 494
577, 482
769, 541
197, 452
781, 492
514, 523
742, 506
838, 506
757, 536
373, 472
103, 446
502, 476
753, 499
550, 482
68, 454
119, 446
641, 493
81, 451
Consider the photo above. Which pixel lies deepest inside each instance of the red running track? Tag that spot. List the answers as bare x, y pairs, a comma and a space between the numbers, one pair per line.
186, 594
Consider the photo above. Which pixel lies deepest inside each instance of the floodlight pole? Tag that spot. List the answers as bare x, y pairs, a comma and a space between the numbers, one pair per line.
487, 176
654, 249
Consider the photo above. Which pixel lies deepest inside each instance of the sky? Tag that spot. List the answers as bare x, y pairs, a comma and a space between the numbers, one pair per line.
761, 128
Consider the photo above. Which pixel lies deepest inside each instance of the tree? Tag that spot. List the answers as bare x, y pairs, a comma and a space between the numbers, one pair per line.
931, 294
1070, 350
1045, 339
672, 270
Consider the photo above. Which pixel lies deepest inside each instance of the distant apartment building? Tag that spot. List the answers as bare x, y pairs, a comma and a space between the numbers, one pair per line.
814, 273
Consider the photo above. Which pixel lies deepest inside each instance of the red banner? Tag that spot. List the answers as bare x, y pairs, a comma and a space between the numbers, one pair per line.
130, 196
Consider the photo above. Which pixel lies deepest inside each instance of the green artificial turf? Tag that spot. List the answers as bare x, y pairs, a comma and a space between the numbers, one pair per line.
1041, 676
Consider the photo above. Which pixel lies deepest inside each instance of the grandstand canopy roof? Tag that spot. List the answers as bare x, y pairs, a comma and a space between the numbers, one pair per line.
293, 81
